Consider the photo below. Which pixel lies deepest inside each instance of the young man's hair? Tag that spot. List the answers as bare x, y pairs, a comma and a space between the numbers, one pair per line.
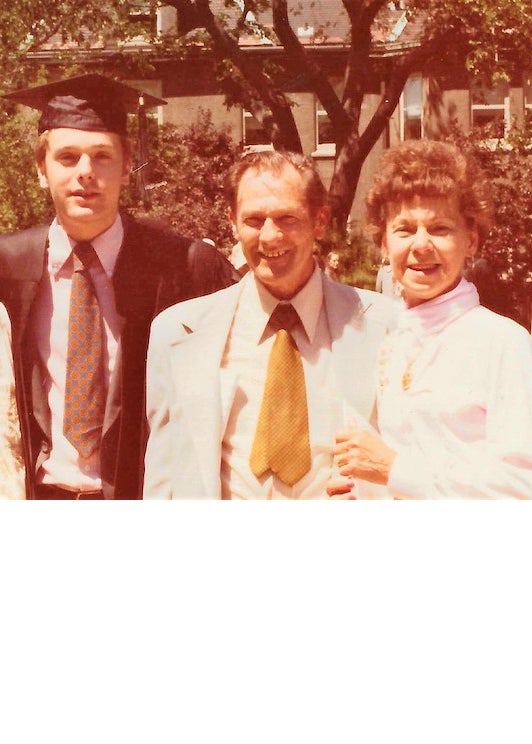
273, 161
427, 168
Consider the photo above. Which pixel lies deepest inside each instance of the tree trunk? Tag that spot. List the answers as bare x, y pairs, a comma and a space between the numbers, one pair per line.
342, 192
350, 157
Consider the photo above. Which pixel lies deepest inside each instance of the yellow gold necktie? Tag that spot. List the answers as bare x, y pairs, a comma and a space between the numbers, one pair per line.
84, 385
281, 441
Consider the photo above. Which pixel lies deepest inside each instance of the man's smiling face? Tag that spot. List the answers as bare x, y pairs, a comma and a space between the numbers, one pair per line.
276, 230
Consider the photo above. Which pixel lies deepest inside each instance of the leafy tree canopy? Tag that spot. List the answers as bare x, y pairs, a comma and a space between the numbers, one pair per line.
70, 30
489, 38
188, 166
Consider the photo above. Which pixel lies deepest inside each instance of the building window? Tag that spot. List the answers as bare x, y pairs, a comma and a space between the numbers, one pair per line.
305, 32
490, 108
325, 143
254, 133
411, 108
527, 88
324, 129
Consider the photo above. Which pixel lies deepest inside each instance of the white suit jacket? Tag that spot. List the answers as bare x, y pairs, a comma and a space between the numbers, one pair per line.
184, 404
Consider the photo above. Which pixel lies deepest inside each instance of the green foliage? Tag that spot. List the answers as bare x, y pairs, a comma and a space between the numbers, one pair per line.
358, 257
187, 171
22, 201
69, 26
492, 37
508, 247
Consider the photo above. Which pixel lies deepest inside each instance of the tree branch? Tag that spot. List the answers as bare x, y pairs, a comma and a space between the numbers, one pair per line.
255, 90
304, 67
353, 9
358, 63
371, 10
392, 93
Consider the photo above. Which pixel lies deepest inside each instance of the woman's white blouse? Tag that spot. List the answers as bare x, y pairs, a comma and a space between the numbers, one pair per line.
11, 461
455, 401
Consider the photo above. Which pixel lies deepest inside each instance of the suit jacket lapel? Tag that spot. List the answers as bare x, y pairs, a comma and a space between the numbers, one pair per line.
136, 287
196, 359
354, 348
33, 254
125, 275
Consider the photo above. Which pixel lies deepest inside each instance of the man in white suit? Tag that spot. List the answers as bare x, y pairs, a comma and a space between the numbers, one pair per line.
209, 358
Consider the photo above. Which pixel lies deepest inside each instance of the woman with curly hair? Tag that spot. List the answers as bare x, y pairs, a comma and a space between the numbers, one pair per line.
455, 379
11, 460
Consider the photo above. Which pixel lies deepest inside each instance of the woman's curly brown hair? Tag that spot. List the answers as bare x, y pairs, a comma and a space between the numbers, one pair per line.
431, 169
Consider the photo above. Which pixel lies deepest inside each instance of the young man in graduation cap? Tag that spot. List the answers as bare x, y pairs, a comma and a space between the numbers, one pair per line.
82, 292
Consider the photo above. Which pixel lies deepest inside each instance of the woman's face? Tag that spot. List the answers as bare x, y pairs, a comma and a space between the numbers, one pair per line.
427, 241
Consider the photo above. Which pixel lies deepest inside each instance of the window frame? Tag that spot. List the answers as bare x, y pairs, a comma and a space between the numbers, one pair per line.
324, 149
527, 85
504, 107
246, 115
403, 107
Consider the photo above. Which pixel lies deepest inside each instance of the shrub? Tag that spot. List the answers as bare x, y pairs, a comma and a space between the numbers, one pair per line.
508, 247
23, 202
187, 172
359, 258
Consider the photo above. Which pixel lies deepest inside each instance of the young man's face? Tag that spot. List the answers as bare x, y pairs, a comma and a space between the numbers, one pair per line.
276, 230
84, 172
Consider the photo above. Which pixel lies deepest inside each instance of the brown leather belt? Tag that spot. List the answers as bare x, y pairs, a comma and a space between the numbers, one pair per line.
48, 491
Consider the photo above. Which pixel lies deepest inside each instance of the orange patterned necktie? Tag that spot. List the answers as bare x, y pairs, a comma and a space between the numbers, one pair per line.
85, 386
281, 441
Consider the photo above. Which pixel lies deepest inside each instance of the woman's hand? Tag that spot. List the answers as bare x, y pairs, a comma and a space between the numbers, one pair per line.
359, 453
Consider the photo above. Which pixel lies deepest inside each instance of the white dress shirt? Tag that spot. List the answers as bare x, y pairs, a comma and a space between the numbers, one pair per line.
456, 401
243, 377
64, 466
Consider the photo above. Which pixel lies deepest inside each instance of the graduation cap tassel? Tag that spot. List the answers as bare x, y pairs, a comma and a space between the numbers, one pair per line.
142, 154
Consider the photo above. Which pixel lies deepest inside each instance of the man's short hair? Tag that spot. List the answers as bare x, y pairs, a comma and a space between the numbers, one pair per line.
428, 168
274, 161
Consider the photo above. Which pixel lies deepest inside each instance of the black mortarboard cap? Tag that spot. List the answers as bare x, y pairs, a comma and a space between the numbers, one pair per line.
92, 102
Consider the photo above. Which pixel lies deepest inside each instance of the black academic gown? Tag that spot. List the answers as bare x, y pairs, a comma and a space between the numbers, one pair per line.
155, 268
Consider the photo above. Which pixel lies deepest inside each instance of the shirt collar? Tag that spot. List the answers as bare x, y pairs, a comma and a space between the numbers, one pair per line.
107, 245
434, 315
307, 302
